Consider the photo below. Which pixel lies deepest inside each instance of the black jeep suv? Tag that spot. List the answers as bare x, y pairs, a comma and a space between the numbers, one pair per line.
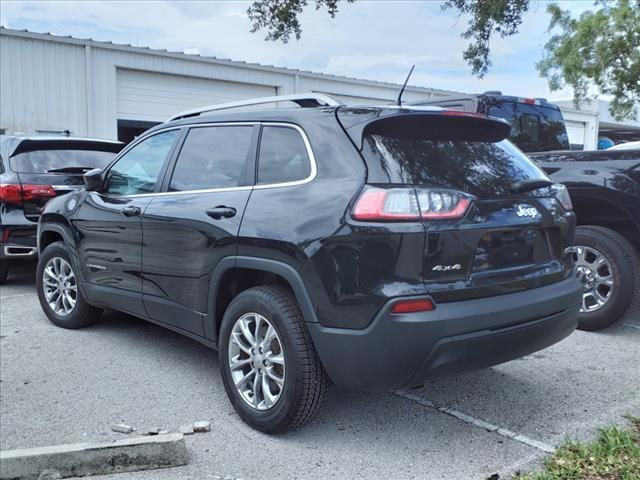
376, 247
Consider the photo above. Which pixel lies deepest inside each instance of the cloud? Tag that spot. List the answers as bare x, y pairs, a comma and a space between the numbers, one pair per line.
375, 40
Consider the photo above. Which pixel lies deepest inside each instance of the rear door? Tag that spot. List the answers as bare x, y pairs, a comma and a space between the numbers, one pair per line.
488, 230
194, 223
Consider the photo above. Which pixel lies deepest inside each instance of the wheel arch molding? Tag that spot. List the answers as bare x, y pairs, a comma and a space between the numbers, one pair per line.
262, 268
53, 230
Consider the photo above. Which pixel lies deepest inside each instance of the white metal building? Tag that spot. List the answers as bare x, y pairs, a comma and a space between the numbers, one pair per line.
593, 121
51, 84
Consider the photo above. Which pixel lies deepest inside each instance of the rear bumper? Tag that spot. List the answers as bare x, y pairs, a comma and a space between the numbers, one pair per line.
398, 351
21, 241
11, 250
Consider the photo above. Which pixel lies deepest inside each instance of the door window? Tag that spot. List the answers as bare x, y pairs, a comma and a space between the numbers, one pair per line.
137, 171
213, 157
283, 156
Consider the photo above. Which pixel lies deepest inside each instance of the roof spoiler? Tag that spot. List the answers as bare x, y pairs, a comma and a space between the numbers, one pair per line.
439, 125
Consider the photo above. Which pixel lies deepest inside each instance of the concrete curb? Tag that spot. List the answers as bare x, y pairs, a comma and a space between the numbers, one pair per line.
83, 459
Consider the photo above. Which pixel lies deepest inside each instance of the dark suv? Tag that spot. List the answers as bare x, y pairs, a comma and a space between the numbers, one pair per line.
32, 171
377, 247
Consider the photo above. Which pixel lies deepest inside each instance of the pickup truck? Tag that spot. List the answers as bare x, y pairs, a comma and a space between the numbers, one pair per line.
605, 189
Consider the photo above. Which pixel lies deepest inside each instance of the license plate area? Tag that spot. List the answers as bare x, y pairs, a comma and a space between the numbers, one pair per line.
502, 249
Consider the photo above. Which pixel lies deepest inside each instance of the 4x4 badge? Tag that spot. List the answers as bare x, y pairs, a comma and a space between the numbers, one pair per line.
446, 268
526, 211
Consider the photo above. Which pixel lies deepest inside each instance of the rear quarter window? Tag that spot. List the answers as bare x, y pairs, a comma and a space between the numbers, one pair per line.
283, 156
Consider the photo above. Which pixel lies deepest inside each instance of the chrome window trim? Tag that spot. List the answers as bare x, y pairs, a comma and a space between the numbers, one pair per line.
312, 160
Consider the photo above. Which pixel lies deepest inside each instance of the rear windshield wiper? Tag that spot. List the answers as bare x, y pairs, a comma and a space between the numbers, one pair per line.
70, 170
528, 185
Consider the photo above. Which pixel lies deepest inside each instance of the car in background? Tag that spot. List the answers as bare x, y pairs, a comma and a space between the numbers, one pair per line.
32, 171
626, 146
536, 124
605, 189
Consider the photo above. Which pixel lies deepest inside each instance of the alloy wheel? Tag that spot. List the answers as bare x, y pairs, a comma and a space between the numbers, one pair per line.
59, 286
594, 272
256, 361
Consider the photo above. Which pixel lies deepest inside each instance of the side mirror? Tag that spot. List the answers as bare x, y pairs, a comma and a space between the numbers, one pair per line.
94, 179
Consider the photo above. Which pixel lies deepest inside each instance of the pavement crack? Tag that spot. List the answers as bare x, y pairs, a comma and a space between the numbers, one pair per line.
631, 325
503, 432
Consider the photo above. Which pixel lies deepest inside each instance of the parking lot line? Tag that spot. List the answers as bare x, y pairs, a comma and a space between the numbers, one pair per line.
503, 432
631, 325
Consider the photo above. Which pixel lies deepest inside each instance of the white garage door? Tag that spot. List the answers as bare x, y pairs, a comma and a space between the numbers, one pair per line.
576, 132
154, 97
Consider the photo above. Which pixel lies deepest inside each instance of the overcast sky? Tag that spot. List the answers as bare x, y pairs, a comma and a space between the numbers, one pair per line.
377, 40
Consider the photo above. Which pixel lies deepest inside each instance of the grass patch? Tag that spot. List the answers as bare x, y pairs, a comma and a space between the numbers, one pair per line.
614, 455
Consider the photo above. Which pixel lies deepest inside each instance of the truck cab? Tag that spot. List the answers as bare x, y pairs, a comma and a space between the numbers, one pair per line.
536, 124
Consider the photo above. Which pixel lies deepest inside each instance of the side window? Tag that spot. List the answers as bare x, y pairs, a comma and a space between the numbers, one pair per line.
137, 170
213, 157
283, 156
530, 127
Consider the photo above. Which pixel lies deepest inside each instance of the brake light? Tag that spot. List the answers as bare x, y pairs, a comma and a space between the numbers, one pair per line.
15, 194
410, 204
460, 113
412, 306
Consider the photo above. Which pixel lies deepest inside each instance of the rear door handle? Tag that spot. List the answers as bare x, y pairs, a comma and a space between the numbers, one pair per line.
131, 211
221, 211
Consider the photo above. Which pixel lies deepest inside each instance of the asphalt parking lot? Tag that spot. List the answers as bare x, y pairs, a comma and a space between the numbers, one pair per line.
60, 386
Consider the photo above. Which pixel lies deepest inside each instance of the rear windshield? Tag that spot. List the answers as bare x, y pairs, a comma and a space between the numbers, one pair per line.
479, 168
43, 161
534, 128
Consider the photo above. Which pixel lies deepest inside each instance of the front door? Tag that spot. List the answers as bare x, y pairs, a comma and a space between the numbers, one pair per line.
109, 224
192, 225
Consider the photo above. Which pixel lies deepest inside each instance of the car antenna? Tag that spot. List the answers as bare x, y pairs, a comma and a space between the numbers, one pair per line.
404, 85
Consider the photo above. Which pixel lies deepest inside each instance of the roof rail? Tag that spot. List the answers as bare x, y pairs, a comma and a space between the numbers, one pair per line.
303, 99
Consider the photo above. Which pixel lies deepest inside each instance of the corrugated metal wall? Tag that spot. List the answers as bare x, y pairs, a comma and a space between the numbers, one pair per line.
50, 83
42, 86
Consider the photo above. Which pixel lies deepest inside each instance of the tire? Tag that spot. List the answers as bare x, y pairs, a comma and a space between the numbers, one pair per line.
4, 270
305, 381
81, 314
625, 270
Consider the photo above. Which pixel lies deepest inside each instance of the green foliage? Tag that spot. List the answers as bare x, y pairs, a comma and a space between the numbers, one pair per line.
614, 455
281, 17
487, 17
596, 53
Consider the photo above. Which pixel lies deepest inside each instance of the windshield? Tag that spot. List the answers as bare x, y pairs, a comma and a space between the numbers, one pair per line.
484, 169
534, 128
43, 161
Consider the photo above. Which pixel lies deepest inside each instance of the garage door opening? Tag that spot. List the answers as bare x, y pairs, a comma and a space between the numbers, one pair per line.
128, 130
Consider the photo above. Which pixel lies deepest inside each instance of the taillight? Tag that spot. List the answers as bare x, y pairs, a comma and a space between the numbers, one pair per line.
15, 194
412, 306
10, 193
562, 194
410, 204
34, 192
